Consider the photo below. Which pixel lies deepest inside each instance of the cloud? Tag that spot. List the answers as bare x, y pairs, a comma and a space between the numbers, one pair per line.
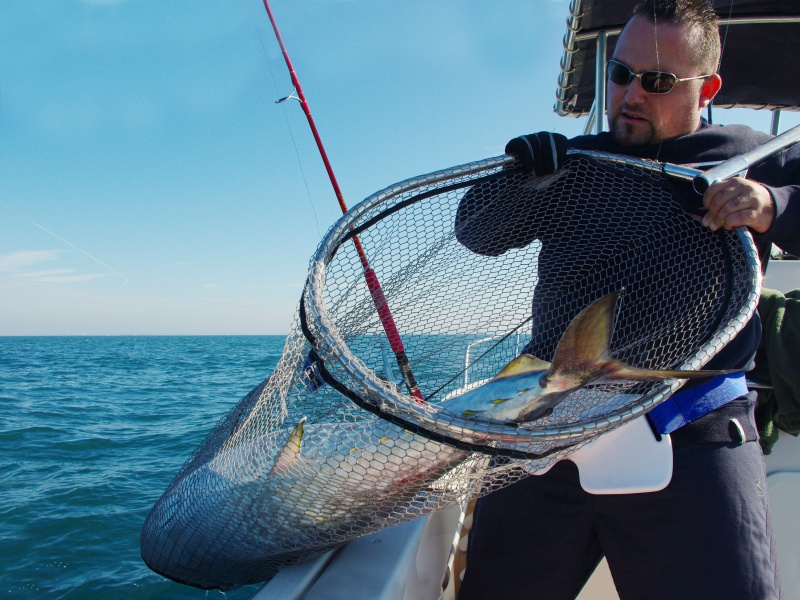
48, 273
23, 259
22, 264
58, 276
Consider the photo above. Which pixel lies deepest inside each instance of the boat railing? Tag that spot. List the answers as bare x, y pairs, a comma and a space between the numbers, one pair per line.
468, 352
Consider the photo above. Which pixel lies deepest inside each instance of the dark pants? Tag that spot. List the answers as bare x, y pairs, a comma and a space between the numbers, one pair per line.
707, 535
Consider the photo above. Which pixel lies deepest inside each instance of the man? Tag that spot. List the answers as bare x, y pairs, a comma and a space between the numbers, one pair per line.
708, 533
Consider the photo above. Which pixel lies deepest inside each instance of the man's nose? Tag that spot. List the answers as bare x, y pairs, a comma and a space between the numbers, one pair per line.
634, 94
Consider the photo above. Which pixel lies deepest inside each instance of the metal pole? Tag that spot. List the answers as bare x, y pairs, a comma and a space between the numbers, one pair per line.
600, 82
375, 290
589, 126
776, 121
737, 164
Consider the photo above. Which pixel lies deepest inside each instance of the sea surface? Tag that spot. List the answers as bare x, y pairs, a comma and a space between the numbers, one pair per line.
92, 430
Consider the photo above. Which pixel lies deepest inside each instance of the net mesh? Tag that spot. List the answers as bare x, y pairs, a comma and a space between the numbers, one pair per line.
476, 264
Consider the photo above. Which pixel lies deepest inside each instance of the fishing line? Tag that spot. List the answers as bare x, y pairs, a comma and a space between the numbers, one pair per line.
70, 244
658, 96
291, 134
477, 360
725, 36
722, 51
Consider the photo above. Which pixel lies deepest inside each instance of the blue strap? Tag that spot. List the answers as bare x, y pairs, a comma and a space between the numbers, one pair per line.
689, 405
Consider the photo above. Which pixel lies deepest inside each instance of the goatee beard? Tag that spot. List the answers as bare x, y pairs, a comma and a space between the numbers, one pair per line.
628, 135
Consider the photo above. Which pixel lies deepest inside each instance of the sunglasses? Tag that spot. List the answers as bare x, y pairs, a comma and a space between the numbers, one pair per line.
653, 82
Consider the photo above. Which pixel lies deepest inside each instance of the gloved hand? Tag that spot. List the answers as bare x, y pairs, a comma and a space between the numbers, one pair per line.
541, 153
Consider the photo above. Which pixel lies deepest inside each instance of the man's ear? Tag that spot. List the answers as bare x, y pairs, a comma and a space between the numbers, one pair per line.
709, 90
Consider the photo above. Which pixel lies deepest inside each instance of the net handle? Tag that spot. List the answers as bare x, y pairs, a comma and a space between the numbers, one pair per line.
737, 164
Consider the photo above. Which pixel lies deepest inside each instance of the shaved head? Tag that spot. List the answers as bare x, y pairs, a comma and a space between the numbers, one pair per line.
700, 22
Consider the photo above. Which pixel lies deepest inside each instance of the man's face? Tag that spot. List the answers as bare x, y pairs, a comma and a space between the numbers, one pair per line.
636, 117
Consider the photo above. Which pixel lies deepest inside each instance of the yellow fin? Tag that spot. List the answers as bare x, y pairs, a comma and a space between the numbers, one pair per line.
290, 453
525, 363
584, 345
582, 353
471, 413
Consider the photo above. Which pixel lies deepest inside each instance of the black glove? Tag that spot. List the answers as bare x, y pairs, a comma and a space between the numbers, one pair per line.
540, 153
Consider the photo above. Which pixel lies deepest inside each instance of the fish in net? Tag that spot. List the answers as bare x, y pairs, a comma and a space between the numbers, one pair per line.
478, 265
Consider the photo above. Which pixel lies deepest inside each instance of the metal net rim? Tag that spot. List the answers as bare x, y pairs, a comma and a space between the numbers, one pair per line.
499, 435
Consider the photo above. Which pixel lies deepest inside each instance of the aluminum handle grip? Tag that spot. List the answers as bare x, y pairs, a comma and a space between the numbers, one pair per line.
737, 164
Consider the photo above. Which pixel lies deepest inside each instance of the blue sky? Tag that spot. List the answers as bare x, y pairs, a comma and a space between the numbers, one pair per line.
149, 184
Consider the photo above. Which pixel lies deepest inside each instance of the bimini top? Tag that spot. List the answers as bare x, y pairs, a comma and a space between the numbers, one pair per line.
760, 39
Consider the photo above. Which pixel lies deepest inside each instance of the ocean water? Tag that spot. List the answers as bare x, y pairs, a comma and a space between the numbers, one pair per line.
92, 431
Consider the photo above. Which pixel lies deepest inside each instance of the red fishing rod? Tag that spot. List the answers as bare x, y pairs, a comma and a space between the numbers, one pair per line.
371, 278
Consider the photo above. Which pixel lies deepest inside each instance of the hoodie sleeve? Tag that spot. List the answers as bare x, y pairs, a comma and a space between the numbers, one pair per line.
785, 228
781, 176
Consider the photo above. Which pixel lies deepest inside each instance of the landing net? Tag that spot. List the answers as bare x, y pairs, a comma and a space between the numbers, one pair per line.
477, 264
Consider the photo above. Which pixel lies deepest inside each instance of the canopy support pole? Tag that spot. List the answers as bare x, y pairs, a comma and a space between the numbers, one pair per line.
776, 121
600, 82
